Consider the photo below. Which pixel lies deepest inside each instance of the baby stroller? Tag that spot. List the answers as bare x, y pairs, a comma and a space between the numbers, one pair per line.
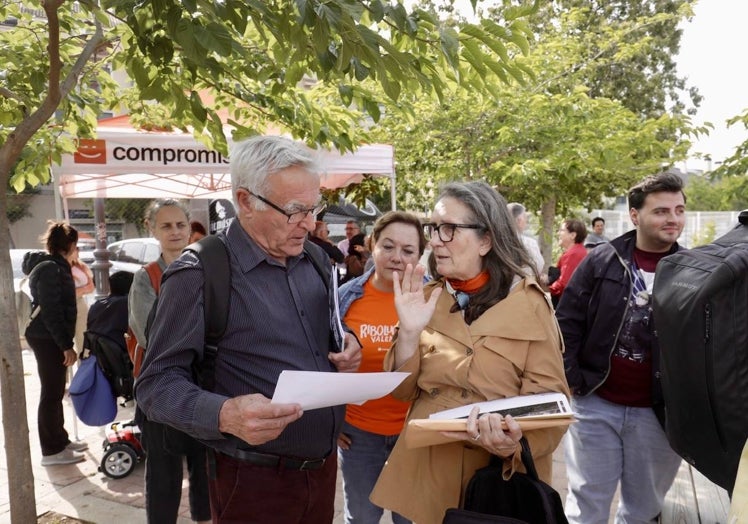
122, 449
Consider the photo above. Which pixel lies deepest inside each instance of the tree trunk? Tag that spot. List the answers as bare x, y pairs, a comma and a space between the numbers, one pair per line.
12, 387
546, 235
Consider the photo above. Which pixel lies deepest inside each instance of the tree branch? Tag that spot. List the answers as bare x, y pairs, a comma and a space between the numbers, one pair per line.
10, 151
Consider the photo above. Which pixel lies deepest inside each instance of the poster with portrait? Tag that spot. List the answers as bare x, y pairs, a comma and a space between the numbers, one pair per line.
221, 212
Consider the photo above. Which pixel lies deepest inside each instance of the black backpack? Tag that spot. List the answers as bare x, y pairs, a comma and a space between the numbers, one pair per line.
214, 258
701, 315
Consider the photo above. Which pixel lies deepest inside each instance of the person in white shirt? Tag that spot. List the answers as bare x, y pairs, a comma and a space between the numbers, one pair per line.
351, 228
531, 245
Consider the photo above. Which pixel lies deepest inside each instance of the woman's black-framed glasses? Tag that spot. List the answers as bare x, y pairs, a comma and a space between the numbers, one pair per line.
445, 230
296, 216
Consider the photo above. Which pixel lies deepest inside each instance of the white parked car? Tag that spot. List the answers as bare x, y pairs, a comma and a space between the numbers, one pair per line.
133, 253
16, 260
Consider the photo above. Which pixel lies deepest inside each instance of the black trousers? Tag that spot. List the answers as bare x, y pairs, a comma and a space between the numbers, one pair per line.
52, 376
163, 477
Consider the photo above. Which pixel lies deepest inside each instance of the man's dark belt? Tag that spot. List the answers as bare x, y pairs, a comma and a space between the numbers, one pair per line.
276, 461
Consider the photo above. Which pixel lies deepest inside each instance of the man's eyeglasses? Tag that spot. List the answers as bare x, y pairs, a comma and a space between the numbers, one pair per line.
296, 216
445, 230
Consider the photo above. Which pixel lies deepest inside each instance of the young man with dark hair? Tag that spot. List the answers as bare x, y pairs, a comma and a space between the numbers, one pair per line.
612, 365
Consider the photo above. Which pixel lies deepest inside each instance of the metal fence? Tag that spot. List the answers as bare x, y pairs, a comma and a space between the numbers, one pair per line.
701, 227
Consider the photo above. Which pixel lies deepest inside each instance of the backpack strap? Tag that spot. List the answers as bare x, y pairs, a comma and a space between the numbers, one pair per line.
134, 349
319, 262
154, 273
214, 258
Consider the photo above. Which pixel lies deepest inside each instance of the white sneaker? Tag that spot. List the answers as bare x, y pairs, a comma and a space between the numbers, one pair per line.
66, 456
79, 445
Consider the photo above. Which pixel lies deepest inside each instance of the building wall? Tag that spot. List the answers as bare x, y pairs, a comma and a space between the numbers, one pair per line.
25, 233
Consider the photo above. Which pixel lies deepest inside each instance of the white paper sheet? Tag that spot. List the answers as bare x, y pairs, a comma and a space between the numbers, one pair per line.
314, 389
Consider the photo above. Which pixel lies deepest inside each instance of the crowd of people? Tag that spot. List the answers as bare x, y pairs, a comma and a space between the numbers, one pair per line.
477, 324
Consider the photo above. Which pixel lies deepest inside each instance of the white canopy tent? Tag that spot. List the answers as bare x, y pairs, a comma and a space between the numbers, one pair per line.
126, 163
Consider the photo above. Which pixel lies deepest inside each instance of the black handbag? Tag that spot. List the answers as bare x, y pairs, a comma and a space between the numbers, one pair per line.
523, 499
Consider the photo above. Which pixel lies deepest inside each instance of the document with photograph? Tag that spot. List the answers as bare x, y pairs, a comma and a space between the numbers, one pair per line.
538, 411
540, 405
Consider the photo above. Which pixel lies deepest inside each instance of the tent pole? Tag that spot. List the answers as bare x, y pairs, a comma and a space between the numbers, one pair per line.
101, 264
59, 212
392, 192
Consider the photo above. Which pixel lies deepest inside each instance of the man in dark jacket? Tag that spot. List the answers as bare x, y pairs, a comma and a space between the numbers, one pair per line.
612, 365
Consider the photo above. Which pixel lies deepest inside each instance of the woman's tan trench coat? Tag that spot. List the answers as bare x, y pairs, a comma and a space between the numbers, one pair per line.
514, 348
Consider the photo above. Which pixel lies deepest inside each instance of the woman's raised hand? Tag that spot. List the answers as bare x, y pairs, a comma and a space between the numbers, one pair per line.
413, 310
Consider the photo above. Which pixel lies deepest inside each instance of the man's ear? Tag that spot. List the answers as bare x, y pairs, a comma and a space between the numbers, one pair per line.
243, 198
634, 215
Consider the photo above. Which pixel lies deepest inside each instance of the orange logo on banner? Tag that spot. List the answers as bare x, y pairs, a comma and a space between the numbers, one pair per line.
90, 151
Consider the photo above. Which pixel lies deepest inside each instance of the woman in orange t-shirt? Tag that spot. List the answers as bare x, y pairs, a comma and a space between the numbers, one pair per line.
368, 308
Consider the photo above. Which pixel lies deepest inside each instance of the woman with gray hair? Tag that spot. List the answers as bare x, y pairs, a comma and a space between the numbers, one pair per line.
169, 222
482, 330
519, 213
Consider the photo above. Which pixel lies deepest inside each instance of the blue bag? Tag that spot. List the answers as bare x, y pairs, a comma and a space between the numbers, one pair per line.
91, 393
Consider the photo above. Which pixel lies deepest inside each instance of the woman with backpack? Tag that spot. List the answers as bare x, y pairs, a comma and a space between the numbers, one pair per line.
169, 222
50, 335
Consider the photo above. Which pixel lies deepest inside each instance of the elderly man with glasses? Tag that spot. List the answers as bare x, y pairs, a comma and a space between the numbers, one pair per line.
352, 228
269, 462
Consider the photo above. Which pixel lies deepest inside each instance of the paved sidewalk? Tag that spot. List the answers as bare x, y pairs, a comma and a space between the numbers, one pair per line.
80, 490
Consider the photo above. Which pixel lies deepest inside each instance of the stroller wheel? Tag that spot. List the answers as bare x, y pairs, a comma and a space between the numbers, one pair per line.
119, 461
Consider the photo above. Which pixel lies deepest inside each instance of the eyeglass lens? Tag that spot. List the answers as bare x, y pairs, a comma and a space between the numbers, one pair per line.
446, 232
298, 216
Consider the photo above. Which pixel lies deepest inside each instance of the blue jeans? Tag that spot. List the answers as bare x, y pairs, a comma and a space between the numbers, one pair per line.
361, 465
611, 443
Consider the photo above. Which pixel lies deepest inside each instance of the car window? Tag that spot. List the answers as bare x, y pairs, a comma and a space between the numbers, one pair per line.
152, 252
131, 252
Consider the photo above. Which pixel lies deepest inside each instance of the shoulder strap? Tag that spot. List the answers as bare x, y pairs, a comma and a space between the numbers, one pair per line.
214, 258
319, 262
154, 273
527, 460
